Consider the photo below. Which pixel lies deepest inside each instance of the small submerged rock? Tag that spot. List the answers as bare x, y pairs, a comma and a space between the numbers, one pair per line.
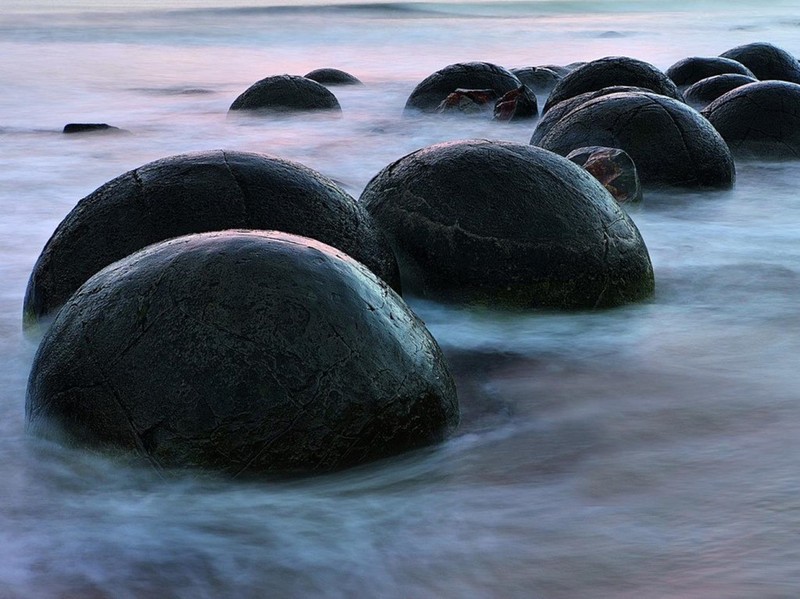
241, 351
72, 128
329, 76
507, 225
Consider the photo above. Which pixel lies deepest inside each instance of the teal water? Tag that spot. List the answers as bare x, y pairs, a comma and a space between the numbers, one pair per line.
649, 451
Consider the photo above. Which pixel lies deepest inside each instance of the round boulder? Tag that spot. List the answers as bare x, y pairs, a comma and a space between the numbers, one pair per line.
759, 120
690, 70
431, 91
328, 76
506, 224
540, 80
701, 94
563, 108
671, 144
242, 351
194, 193
766, 61
286, 93
609, 71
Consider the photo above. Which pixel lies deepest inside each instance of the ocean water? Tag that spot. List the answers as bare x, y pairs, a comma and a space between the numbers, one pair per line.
646, 451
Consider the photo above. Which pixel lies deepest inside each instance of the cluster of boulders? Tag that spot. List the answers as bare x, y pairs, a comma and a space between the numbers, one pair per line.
241, 312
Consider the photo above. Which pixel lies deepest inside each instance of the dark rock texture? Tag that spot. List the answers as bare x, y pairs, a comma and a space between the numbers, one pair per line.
563, 108
430, 92
286, 93
690, 70
506, 224
91, 128
242, 351
701, 94
518, 104
671, 144
759, 120
613, 168
612, 70
193, 193
329, 76
766, 61
468, 101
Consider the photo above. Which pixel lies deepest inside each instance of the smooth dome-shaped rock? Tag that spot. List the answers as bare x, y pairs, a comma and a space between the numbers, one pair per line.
766, 61
759, 120
242, 351
701, 94
671, 144
286, 93
609, 71
330, 76
690, 70
508, 225
194, 193
540, 80
563, 108
431, 91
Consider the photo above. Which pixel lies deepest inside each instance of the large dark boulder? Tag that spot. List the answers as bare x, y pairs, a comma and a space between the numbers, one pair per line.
506, 224
286, 93
193, 193
609, 71
330, 76
701, 94
432, 90
766, 61
671, 144
243, 351
759, 120
563, 108
690, 70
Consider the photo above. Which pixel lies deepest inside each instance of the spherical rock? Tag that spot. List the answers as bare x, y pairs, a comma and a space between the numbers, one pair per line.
432, 90
759, 120
563, 108
506, 224
701, 94
612, 70
329, 76
766, 61
690, 70
194, 193
518, 104
671, 144
613, 168
540, 80
243, 351
286, 93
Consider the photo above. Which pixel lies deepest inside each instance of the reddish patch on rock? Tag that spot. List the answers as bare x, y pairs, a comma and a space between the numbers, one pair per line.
469, 101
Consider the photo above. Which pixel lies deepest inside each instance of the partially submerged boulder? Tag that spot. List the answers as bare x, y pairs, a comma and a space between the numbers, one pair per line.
766, 61
759, 120
705, 91
193, 193
241, 351
432, 90
285, 93
690, 70
518, 104
507, 225
329, 76
671, 144
609, 71
540, 80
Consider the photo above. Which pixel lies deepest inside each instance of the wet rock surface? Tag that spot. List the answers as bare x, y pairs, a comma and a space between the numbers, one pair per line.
518, 104
759, 120
241, 351
193, 193
613, 168
690, 70
540, 80
766, 61
432, 90
507, 225
610, 71
705, 91
671, 144
330, 76
468, 101
285, 93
